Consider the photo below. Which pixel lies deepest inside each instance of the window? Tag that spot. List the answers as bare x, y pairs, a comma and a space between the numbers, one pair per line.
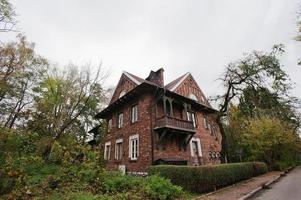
168, 108
211, 129
107, 151
120, 120
195, 147
109, 124
206, 122
122, 93
134, 147
134, 114
119, 149
193, 97
191, 118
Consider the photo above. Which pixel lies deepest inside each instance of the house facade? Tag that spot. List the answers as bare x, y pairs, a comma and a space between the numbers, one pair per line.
152, 123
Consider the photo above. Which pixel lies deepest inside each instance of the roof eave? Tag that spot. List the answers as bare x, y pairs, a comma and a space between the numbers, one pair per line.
140, 89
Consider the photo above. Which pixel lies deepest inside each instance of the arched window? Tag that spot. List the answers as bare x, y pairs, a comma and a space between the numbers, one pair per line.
193, 97
122, 93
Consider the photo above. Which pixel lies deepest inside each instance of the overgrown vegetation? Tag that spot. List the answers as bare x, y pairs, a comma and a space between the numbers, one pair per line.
211, 177
69, 172
259, 79
264, 138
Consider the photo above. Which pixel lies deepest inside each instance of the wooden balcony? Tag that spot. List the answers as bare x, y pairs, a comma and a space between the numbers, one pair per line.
174, 124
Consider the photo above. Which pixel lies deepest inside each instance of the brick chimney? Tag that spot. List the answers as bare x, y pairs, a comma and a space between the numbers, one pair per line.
157, 77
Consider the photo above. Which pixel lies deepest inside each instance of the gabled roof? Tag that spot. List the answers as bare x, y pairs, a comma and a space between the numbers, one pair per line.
144, 85
173, 85
137, 80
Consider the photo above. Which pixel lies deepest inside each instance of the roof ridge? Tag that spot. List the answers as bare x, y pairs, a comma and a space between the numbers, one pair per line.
133, 77
176, 82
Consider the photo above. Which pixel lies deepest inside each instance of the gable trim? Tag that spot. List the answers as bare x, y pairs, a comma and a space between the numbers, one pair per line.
179, 83
131, 78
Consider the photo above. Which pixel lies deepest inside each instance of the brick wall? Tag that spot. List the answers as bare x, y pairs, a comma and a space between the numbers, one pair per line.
147, 114
141, 127
124, 84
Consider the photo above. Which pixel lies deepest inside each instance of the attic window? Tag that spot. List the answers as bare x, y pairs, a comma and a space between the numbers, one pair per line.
193, 97
122, 93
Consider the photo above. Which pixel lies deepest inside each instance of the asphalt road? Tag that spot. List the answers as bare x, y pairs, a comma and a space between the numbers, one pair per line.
287, 188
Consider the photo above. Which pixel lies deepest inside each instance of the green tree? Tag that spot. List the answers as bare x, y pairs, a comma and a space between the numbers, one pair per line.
264, 138
255, 70
255, 102
7, 16
67, 101
21, 71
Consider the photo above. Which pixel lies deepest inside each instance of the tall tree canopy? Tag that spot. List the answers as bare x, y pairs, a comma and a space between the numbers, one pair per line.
67, 101
20, 73
7, 16
255, 71
263, 137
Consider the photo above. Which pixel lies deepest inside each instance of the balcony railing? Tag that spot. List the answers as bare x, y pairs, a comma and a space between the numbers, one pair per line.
174, 123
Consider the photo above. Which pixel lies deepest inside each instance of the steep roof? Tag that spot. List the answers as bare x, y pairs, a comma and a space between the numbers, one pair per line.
172, 86
145, 85
137, 80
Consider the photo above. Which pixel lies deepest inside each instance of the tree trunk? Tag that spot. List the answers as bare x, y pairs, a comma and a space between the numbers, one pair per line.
224, 150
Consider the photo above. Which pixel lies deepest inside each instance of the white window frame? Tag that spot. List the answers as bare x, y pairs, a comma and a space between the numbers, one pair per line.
199, 146
206, 123
110, 122
211, 127
107, 154
122, 93
193, 97
191, 116
120, 120
134, 156
134, 113
116, 150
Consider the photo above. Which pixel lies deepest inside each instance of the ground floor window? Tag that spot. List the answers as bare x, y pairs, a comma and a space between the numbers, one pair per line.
195, 147
107, 151
119, 149
134, 147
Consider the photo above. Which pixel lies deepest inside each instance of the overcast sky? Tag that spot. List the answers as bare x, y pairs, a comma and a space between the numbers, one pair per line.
199, 36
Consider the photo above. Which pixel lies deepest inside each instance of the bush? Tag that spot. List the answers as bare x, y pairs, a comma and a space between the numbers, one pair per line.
210, 177
131, 187
259, 168
160, 188
56, 154
115, 183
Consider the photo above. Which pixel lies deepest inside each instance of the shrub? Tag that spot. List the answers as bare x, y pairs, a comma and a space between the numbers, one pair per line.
56, 154
210, 177
115, 183
160, 188
259, 168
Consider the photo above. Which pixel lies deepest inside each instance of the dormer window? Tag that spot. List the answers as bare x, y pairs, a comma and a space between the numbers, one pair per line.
122, 93
193, 97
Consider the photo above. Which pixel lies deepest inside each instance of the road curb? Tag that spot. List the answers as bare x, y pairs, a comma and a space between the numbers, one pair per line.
253, 192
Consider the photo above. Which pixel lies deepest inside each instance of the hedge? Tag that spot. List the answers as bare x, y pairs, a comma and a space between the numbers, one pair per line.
210, 177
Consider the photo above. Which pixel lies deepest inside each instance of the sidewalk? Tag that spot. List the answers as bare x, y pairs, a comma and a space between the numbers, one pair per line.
240, 189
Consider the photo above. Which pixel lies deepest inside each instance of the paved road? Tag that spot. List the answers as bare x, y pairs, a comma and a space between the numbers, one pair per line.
287, 188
